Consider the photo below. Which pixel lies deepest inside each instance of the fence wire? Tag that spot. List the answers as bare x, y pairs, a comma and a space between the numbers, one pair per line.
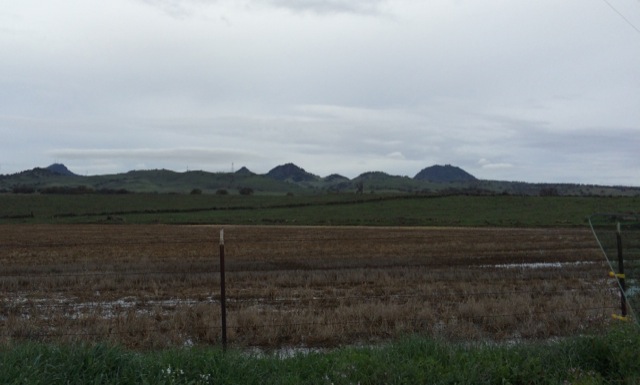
618, 236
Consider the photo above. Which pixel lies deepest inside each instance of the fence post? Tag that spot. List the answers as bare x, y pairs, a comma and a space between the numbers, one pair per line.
223, 296
621, 277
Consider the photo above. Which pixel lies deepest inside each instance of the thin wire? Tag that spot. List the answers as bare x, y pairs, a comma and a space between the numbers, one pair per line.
606, 257
622, 16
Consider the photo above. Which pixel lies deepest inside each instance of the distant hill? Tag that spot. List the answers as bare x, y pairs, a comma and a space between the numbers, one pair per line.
446, 173
336, 178
291, 172
288, 179
373, 175
60, 169
244, 172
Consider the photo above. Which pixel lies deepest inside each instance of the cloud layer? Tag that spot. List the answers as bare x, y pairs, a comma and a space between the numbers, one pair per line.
535, 91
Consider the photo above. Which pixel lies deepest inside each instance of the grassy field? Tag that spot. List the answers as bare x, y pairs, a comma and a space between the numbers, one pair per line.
325, 209
611, 358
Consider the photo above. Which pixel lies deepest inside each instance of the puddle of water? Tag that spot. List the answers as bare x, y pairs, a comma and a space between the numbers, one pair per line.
537, 265
283, 353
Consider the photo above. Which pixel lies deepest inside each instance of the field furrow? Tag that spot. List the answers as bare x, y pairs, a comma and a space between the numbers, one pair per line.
149, 286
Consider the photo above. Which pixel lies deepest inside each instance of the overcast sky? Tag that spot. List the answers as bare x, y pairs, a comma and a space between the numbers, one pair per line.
536, 91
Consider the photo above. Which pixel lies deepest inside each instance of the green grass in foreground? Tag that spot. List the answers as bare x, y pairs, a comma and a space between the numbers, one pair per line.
610, 359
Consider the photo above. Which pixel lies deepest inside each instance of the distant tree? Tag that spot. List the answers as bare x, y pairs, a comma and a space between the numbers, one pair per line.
246, 191
110, 191
196, 191
22, 189
359, 187
222, 192
549, 192
67, 190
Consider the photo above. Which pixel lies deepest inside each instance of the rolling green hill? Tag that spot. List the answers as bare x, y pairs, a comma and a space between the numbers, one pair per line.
446, 173
287, 179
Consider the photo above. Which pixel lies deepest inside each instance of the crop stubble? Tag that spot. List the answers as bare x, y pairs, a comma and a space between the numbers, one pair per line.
156, 286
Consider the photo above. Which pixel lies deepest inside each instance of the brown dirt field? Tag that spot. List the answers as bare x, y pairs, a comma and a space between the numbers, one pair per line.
156, 286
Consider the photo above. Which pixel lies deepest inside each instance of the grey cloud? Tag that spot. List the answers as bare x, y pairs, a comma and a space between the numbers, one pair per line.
487, 164
585, 141
179, 9
187, 8
156, 153
330, 6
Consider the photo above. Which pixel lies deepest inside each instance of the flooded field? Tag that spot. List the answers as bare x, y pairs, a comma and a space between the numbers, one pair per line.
156, 286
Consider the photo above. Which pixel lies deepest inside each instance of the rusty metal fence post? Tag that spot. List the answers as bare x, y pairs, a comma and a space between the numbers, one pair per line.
223, 296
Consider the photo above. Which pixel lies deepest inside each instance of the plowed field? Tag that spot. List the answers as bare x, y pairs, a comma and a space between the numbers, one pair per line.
156, 286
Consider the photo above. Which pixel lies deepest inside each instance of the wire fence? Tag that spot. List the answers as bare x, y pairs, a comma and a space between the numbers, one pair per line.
618, 236
299, 286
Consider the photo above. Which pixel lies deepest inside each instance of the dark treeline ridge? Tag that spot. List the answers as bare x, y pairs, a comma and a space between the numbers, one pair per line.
66, 190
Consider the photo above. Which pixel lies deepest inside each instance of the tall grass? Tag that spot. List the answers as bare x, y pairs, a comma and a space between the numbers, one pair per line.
612, 358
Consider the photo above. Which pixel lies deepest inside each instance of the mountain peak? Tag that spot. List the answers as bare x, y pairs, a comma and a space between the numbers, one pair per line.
372, 175
244, 171
291, 172
446, 173
336, 178
60, 169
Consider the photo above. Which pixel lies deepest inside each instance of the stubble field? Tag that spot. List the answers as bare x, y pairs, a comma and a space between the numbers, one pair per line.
154, 286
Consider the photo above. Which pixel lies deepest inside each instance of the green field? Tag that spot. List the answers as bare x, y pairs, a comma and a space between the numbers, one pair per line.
326, 209
606, 359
